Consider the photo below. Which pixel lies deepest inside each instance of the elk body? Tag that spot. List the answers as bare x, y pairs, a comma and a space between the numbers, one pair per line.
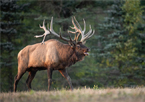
52, 55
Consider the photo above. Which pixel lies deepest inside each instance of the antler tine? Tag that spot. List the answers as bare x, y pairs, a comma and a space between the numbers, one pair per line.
78, 24
88, 36
82, 32
69, 36
51, 28
46, 31
43, 27
77, 30
72, 31
84, 26
90, 31
75, 27
64, 38
91, 34
61, 36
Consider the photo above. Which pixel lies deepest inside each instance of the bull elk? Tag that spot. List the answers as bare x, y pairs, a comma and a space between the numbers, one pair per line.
53, 55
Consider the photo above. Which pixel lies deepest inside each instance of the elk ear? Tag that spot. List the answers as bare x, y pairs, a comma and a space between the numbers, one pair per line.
71, 44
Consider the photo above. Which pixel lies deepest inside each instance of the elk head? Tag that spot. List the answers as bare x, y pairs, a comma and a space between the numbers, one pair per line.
79, 45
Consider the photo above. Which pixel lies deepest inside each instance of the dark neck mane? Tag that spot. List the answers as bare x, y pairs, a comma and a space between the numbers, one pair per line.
69, 55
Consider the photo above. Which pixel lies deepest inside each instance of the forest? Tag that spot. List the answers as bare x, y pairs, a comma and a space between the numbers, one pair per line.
117, 56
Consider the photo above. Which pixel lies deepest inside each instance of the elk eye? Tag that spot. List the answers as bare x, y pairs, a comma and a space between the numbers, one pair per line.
78, 46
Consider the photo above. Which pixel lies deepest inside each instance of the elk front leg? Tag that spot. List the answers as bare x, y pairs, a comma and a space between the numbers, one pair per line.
49, 73
66, 76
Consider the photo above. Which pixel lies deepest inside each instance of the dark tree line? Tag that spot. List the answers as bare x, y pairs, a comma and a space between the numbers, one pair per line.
117, 49
10, 33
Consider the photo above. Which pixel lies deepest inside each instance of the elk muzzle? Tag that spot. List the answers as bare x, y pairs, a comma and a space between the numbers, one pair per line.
86, 52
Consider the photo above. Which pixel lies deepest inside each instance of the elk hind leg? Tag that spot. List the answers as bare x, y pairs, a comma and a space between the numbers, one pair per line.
30, 78
66, 76
16, 80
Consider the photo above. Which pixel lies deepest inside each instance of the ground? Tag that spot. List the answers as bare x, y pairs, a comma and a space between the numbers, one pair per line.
78, 95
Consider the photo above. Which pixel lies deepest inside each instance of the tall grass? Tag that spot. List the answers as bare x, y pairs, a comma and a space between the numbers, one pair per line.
78, 95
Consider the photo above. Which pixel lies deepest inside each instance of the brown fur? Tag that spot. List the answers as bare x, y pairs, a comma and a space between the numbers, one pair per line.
53, 55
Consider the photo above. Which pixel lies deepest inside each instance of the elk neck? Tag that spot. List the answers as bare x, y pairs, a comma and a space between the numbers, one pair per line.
68, 55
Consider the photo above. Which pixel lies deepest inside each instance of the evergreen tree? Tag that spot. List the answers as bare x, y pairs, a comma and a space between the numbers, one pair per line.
10, 23
118, 51
134, 23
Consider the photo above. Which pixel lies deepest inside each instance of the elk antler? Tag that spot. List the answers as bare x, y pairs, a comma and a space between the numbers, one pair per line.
79, 30
46, 32
50, 30
54, 33
70, 40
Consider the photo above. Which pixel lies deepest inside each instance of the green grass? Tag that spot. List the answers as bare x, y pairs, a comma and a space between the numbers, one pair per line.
78, 95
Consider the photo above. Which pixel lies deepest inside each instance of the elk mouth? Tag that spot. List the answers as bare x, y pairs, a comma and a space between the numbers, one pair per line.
86, 53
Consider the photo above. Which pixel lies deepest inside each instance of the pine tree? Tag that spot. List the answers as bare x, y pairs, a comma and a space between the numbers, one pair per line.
118, 51
10, 23
134, 23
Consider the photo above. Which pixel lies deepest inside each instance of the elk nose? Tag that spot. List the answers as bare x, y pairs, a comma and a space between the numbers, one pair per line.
88, 50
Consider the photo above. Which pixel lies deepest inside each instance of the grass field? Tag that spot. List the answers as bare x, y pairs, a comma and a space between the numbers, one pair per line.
78, 95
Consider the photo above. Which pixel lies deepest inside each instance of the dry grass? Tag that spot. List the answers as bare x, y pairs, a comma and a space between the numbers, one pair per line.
78, 95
